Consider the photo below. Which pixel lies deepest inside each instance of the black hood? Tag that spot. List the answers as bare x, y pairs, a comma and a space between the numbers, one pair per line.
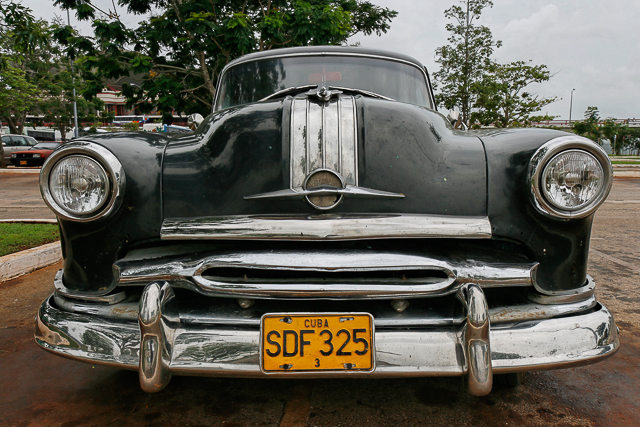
253, 149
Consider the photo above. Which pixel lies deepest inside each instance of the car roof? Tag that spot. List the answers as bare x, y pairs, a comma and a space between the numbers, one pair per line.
322, 50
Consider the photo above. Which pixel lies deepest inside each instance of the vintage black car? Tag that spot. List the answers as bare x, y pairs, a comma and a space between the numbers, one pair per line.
326, 220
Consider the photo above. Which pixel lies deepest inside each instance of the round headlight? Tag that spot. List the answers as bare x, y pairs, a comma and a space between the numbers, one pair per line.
572, 180
569, 177
79, 184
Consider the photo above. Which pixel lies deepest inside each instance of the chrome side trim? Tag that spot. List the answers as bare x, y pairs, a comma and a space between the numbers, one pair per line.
477, 346
230, 351
325, 227
545, 153
109, 162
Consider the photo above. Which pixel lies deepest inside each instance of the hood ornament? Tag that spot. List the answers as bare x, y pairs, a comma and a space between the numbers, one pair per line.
323, 93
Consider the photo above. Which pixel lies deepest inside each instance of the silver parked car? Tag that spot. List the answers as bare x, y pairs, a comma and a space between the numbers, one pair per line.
12, 143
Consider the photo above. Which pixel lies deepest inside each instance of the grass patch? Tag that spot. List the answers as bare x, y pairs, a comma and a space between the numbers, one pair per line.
625, 162
16, 237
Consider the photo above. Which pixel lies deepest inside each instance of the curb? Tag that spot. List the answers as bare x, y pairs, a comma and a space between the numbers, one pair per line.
30, 221
24, 262
626, 174
7, 170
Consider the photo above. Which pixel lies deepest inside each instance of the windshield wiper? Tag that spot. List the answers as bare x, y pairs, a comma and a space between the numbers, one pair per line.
361, 92
298, 89
288, 91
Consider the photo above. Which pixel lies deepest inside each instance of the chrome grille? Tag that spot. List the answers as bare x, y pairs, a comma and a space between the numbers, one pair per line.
323, 136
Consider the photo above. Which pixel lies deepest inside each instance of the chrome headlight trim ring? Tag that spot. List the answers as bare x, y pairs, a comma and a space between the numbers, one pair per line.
110, 163
541, 159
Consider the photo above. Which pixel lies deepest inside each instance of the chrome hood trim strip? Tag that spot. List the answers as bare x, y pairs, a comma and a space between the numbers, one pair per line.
325, 227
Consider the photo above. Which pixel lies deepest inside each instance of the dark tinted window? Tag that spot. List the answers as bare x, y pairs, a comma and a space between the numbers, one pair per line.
251, 81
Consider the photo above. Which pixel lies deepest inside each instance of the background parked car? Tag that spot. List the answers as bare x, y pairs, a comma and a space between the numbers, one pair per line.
13, 143
34, 156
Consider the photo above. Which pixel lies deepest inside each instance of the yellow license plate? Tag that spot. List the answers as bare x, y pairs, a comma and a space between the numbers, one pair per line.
317, 342
23, 162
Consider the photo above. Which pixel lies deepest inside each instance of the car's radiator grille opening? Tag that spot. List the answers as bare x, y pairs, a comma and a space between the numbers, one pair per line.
307, 276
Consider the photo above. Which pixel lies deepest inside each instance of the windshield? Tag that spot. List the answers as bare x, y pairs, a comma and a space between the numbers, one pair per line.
251, 81
45, 146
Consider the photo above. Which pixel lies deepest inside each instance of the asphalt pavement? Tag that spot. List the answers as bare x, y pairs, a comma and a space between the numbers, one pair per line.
38, 388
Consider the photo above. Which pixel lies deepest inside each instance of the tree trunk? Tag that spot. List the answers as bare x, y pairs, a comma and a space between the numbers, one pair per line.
3, 164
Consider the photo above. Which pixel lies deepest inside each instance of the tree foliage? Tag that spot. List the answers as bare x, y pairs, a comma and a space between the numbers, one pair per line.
464, 62
503, 100
590, 126
484, 91
180, 50
37, 77
619, 134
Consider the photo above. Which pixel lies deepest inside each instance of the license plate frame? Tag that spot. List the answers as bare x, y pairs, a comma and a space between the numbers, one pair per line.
313, 362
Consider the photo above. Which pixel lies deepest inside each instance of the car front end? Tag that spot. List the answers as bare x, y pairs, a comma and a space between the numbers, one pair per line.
327, 229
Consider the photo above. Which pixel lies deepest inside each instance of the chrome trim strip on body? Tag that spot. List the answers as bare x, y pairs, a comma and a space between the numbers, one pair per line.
348, 191
188, 273
218, 351
104, 157
541, 158
325, 227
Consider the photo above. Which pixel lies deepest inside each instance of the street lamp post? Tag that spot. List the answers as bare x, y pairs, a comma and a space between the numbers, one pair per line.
571, 106
73, 79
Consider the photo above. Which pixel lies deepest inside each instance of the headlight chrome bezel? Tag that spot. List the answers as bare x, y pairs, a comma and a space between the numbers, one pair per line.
110, 164
550, 150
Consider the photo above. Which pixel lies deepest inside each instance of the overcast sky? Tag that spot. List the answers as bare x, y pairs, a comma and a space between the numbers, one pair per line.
592, 46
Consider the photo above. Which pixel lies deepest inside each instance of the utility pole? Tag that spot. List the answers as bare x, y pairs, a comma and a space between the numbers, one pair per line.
73, 80
571, 106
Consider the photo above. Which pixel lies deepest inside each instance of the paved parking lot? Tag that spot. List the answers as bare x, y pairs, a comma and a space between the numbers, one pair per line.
37, 388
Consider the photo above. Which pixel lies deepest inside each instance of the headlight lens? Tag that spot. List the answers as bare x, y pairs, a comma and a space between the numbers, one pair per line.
13, 155
79, 184
36, 156
572, 179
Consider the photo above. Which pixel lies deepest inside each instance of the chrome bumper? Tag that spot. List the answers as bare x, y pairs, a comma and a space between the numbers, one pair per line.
159, 344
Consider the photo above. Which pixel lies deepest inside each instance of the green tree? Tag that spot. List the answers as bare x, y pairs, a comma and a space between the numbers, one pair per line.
182, 48
590, 126
503, 100
17, 96
57, 105
620, 135
20, 33
464, 62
